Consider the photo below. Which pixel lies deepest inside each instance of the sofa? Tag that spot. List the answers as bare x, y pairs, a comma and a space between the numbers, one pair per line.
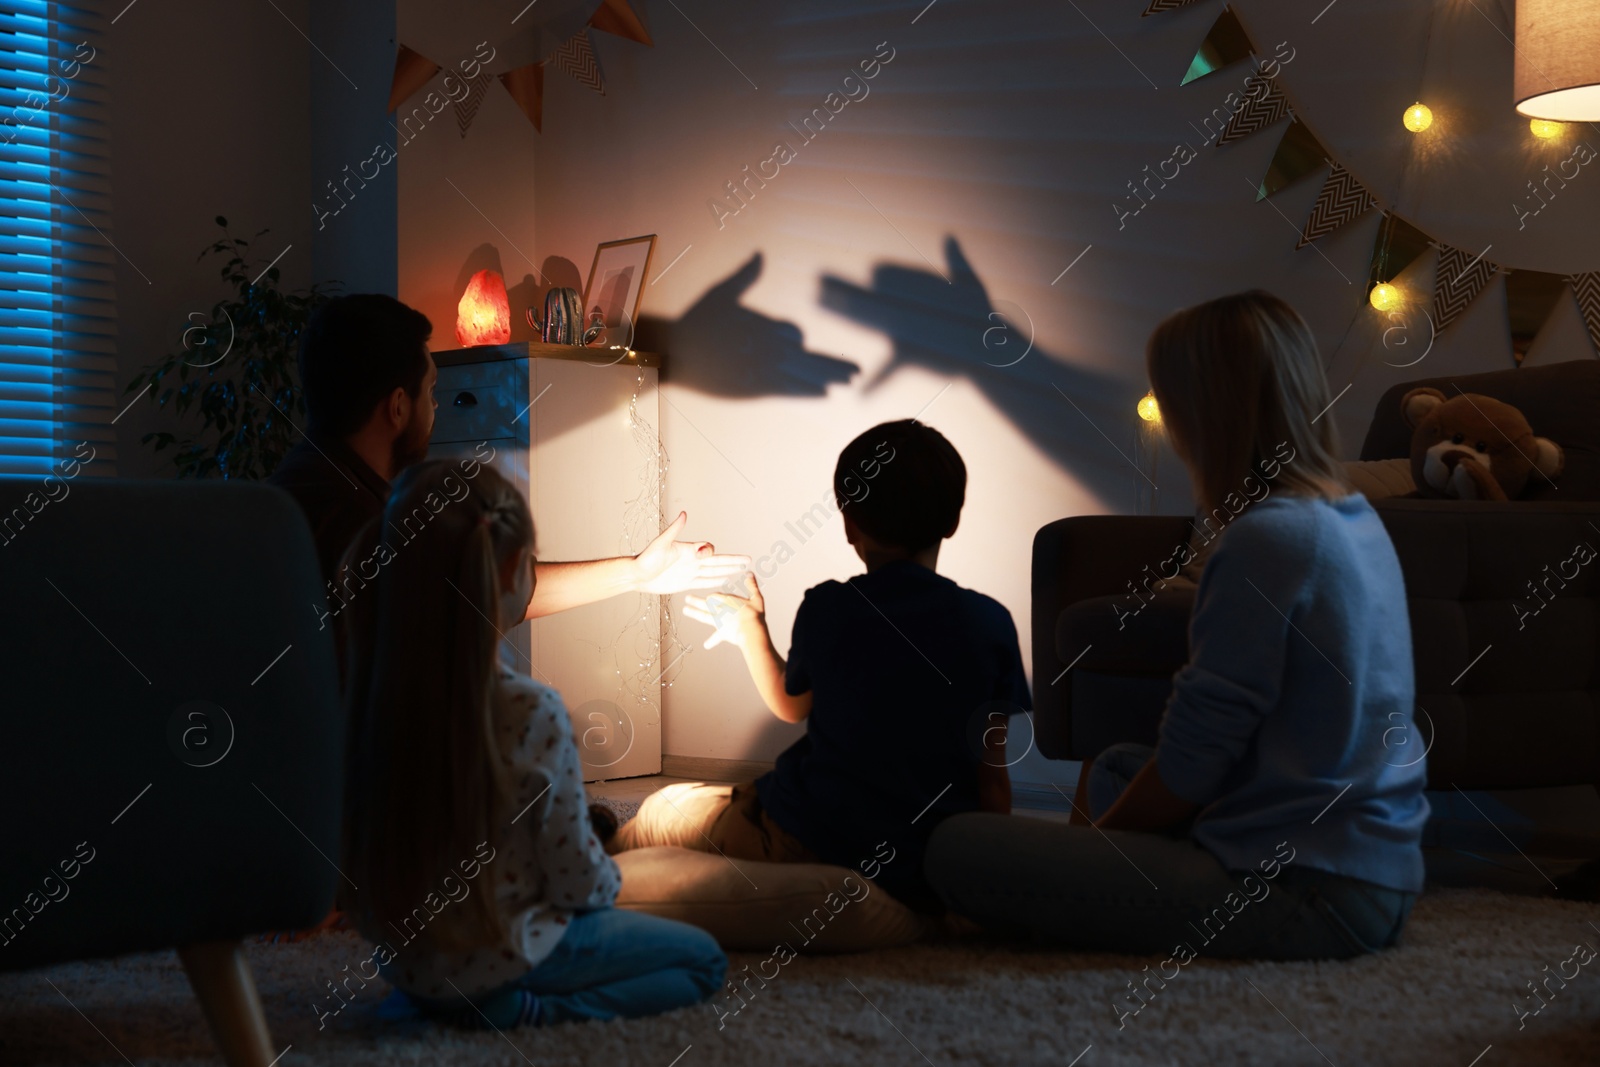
1507, 696
173, 759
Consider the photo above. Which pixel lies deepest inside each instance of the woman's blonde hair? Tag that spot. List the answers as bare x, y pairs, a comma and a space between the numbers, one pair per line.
1242, 391
425, 783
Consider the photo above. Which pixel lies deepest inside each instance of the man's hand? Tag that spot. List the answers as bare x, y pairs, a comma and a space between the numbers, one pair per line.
740, 621
669, 566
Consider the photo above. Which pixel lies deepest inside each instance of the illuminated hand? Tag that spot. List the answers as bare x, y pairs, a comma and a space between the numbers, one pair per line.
740, 621
669, 566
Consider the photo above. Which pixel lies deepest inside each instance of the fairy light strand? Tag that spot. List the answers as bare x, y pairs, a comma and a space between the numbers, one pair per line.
639, 676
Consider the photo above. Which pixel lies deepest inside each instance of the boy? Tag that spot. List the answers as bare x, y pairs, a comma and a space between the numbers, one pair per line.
904, 679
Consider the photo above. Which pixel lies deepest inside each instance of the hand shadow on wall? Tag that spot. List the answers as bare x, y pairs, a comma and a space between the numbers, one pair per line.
1076, 417
720, 347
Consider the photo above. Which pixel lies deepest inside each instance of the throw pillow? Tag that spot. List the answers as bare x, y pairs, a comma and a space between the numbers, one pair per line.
750, 906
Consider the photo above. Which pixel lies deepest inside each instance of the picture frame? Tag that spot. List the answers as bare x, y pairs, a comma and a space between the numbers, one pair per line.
616, 286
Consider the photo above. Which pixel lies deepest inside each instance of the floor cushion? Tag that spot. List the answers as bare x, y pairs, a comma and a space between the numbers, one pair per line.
751, 906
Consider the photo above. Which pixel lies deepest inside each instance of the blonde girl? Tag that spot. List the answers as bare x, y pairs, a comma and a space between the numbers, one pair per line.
467, 828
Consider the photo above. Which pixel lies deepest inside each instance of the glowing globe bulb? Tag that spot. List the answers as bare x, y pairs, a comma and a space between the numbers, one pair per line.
1385, 297
1149, 410
1546, 129
1418, 118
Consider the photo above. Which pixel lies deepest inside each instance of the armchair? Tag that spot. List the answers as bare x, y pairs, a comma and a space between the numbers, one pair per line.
1508, 684
173, 757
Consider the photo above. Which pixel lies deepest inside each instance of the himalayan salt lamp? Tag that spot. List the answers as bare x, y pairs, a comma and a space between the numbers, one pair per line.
484, 315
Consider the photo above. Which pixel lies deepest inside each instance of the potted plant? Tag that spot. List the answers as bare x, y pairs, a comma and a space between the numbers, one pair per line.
238, 370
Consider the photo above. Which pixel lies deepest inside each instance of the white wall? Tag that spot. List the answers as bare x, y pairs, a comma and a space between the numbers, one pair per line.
830, 302
210, 116
354, 239
226, 109
467, 204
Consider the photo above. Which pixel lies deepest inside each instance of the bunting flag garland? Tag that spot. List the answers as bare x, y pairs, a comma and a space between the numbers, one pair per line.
1459, 276
1299, 154
467, 107
526, 86
1587, 289
1458, 280
412, 71
1342, 199
1226, 43
1531, 295
1259, 109
575, 55
1398, 245
617, 17
576, 58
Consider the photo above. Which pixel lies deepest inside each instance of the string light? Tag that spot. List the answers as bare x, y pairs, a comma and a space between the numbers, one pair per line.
1547, 130
1149, 410
1147, 454
639, 687
1418, 117
1385, 297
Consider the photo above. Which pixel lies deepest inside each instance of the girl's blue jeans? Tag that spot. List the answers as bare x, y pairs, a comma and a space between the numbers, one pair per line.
611, 962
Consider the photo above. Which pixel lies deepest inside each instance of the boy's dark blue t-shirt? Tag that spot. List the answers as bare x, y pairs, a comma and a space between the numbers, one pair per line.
907, 670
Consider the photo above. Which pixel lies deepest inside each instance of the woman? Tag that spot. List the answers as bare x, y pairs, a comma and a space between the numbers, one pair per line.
1270, 821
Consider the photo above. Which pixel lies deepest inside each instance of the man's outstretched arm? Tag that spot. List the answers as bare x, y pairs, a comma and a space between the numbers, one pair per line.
665, 566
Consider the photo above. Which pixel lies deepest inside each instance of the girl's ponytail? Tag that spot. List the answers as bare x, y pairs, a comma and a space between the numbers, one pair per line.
426, 783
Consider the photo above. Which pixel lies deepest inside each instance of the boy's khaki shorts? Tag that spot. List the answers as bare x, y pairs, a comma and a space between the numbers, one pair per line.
711, 818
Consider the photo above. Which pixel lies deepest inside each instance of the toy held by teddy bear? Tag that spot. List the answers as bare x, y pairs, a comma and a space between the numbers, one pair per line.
1474, 447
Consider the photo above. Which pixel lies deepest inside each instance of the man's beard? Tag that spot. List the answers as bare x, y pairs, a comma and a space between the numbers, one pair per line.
411, 447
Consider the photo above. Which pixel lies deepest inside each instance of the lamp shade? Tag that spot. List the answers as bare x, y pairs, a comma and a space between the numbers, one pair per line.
483, 317
1558, 59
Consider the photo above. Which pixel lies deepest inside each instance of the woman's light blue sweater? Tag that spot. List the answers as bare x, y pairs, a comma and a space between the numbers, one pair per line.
1293, 719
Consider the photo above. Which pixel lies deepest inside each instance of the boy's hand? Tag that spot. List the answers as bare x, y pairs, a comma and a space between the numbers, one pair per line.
740, 621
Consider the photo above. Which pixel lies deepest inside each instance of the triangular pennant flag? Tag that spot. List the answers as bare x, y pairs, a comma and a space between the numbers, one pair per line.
618, 17
1587, 289
1158, 6
412, 70
467, 106
1342, 199
576, 58
526, 86
1298, 154
1398, 245
1264, 103
1531, 295
1225, 43
1460, 277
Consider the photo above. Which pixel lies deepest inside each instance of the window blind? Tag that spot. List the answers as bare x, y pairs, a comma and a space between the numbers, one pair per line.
57, 263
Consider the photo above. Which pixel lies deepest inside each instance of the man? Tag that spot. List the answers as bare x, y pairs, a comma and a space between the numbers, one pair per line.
368, 381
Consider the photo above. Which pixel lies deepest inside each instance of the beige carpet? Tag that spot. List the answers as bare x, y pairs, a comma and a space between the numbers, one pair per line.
1443, 998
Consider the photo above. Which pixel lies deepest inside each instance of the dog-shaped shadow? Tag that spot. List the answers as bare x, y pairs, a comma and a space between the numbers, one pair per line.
723, 348
950, 325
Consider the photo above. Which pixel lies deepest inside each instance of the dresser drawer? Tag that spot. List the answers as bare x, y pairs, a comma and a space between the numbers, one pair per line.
480, 401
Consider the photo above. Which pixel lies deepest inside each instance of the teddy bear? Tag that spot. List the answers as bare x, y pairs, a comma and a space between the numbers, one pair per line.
1474, 447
